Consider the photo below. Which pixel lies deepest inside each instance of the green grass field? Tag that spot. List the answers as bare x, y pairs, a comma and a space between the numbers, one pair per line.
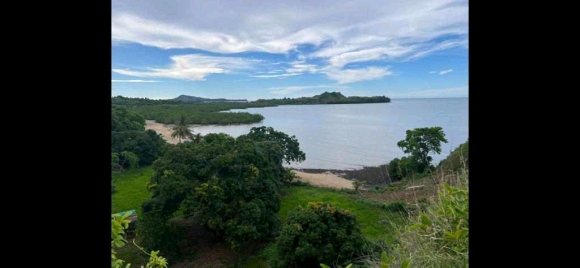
374, 220
131, 189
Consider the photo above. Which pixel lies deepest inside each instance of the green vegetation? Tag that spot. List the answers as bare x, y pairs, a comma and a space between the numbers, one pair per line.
131, 189
437, 236
373, 219
291, 146
237, 191
458, 159
326, 98
130, 141
181, 130
228, 186
170, 111
120, 223
316, 234
419, 142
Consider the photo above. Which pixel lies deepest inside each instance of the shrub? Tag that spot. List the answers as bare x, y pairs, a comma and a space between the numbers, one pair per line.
397, 206
319, 233
437, 236
400, 168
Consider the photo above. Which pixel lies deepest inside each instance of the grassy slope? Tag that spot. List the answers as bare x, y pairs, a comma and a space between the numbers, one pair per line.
373, 219
131, 189
131, 193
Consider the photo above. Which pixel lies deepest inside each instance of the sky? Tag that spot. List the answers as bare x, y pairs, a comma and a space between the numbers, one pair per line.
276, 49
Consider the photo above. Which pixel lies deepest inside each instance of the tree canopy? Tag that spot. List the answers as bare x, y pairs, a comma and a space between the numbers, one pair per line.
419, 142
229, 186
181, 130
319, 233
290, 144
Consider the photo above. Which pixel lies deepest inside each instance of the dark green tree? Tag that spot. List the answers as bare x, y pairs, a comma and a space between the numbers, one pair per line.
289, 144
319, 233
229, 186
123, 119
146, 144
399, 168
419, 142
181, 130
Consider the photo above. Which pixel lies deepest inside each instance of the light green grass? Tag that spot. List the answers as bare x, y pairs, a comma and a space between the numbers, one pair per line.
131, 189
374, 221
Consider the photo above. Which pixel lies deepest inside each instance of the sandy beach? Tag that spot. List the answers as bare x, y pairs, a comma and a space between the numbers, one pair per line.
326, 179
164, 130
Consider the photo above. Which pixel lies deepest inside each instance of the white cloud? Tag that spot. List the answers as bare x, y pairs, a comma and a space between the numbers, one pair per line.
281, 26
441, 72
340, 33
369, 54
275, 75
194, 67
438, 47
356, 75
134, 81
294, 89
434, 93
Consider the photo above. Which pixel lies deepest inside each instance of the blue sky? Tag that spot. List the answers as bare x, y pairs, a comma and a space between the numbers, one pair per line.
276, 49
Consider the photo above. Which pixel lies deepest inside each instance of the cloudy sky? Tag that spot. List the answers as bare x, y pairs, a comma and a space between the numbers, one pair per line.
275, 49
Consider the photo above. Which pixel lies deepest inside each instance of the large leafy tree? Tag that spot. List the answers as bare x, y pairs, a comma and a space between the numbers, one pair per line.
123, 119
146, 144
181, 130
419, 142
289, 144
229, 186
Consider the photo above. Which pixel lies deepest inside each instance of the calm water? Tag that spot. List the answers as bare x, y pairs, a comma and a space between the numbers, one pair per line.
343, 136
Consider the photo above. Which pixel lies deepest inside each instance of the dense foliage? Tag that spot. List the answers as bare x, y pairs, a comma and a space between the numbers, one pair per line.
290, 145
123, 119
169, 111
326, 98
181, 130
130, 141
147, 145
400, 168
437, 236
229, 186
458, 158
419, 142
120, 223
319, 233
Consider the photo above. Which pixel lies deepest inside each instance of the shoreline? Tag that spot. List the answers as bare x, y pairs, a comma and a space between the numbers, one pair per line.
332, 178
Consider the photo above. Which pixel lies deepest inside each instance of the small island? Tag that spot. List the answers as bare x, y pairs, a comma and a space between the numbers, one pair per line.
326, 98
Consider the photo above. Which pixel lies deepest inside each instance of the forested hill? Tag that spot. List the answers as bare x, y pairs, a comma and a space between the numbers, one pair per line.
324, 98
186, 98
169, 111
327, 98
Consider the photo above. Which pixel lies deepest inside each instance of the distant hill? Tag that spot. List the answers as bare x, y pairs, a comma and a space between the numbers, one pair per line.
186, 98
327, 98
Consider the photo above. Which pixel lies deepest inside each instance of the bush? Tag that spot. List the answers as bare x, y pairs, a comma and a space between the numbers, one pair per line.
437, 236
400, 168
319, 233
397, 206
